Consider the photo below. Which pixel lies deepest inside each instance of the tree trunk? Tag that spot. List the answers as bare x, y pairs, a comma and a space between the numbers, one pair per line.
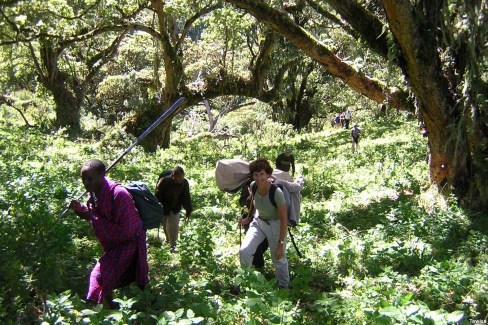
68, 108
450, 162
68, 103
138, 124
173, 75
300, 105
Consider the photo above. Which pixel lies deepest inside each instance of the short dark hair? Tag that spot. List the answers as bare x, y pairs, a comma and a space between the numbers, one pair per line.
178, 171
96, 165
259, 165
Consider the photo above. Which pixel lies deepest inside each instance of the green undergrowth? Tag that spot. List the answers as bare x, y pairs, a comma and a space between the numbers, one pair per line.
379, 246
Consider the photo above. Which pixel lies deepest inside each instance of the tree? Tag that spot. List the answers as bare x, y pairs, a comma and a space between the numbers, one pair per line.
449, 105
205, 63
67, 45
297, 105
442, 65
64, 56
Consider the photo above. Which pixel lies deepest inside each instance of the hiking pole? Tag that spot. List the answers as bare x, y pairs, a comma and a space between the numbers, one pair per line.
163, 117
240, 234
293, 242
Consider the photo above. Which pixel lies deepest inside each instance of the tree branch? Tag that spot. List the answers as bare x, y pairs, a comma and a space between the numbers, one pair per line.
207, 9
283, 24
333, 18
279, 79
112, 28
12, 24
5, 3
99, 60
40, 73
84, 12
262, 62
370, 28
9, 102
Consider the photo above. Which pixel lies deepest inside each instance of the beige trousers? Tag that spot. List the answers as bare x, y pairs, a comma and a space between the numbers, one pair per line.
171, 226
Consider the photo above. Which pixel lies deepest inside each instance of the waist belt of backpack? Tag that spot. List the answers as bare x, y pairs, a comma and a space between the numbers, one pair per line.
266, 220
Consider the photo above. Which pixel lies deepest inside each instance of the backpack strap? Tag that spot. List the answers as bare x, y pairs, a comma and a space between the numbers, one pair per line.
272, 191
254, 188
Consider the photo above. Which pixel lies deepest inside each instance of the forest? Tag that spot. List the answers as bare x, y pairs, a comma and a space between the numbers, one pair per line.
395, 233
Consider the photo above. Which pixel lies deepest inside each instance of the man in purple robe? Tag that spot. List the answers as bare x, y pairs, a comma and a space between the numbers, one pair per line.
118, 226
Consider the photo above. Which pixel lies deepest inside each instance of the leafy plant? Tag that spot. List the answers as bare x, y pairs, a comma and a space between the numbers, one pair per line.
377, 247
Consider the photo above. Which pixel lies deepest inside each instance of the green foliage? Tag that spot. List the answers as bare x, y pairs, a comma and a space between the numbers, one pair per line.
197, 247
378, 248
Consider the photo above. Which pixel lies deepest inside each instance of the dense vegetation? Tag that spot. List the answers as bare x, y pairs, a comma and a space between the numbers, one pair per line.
380, 246
81, 79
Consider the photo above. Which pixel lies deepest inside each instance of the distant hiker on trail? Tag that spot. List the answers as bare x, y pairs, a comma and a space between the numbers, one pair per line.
245, 202
285, 160
117, 225
423, 130
342, 119
337, 121
347, 118
355, 136
271, 223
173, 191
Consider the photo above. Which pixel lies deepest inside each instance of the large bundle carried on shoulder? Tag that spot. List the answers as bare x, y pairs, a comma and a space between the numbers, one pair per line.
232, 174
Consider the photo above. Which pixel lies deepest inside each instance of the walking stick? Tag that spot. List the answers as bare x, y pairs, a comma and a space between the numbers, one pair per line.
163, 117
293, 242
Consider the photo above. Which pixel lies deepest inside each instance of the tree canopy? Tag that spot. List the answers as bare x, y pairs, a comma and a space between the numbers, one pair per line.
130, 59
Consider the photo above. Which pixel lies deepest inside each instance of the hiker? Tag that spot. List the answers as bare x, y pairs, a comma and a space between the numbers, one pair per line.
269, 223
285, 160
347, 118
423, 130
245, 202
337, 121
342, 119
118, 226
355, 135
173, 191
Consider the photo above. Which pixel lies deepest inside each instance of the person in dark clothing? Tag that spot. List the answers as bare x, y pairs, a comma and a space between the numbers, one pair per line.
285, 161
355, 136
173, 192
245, 202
